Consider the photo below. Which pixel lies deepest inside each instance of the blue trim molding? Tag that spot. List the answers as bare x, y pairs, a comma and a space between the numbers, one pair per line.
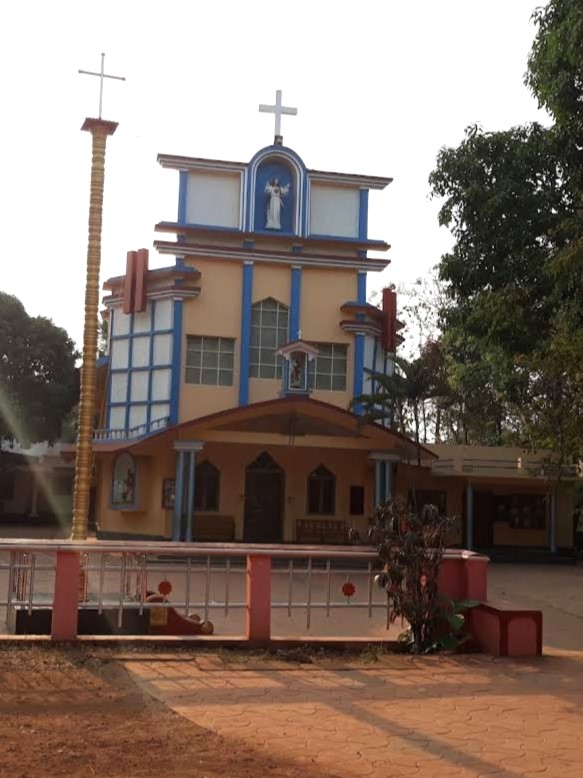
176, 358
129, 372
359, 343
363, 215
246, 299
182, 195
151, 364
295, 297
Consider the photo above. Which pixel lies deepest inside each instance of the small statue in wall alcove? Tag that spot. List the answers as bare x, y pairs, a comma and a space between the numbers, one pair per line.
275, 193
297, 371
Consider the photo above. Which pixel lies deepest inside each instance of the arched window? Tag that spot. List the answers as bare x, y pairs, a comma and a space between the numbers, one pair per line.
123, 486
208, 482
322, 492
269, 332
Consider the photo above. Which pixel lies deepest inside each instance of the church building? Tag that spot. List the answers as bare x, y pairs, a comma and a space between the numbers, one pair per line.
228, 393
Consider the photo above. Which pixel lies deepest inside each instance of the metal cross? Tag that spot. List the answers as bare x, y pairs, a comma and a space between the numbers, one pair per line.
278, 109
101, 76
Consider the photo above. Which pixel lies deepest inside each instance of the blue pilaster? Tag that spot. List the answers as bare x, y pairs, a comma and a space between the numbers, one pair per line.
361, 287
358, 369
247, 296
363, 215
553, 522
176, 360
190, 493
182, 194
178, 497
359, 344
295, 298
469, 516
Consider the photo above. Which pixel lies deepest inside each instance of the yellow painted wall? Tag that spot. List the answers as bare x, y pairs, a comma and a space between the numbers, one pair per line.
148, 517
349, 467
271, 281
216, 312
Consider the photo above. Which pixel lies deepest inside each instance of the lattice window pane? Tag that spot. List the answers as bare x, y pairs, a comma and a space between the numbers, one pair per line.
209, 361
269, 331
329, 368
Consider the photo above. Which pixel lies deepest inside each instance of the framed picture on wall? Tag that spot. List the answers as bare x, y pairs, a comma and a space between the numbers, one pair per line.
168, 492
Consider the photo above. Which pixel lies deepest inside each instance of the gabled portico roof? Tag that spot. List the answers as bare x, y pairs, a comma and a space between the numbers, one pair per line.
298, 421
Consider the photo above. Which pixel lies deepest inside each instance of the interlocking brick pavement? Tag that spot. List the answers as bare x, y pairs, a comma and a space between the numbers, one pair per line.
431, 717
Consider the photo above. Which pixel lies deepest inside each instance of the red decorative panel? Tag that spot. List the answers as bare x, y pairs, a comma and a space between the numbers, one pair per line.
140, 302
129, 282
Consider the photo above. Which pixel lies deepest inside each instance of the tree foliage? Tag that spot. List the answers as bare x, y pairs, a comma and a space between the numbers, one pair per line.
514, 203
38, 378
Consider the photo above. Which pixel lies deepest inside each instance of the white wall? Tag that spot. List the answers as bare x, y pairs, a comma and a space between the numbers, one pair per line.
334, 211
213, 199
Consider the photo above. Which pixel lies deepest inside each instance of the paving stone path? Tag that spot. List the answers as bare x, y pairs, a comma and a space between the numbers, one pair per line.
432, 717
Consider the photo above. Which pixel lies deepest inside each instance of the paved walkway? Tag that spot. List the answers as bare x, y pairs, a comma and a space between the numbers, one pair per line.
431, 717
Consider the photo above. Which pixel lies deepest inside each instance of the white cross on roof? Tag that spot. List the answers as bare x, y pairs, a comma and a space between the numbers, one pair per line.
278, 109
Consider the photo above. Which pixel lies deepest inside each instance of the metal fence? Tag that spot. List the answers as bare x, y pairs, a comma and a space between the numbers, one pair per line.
296, 590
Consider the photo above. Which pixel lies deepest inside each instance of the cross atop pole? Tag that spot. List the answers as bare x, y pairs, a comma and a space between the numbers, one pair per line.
278, 109
101, 76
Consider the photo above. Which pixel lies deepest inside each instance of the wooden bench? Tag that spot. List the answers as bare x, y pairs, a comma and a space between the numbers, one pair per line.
214, 528
505, 630
321, 531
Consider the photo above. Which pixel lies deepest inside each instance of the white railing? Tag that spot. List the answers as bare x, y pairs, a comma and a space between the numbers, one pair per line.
133, 433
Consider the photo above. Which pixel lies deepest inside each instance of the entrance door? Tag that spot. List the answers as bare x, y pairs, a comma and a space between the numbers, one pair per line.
264, 490
484, 510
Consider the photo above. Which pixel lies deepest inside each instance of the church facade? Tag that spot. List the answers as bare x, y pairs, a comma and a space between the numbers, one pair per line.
228, 392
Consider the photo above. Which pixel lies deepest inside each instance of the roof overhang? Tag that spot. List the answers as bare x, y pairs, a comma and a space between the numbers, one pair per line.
298, 421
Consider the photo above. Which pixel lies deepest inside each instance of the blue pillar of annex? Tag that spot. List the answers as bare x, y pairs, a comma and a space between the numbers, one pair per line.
185, 489
469, 516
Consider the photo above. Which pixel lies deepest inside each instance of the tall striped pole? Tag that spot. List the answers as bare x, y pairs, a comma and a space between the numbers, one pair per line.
99, 129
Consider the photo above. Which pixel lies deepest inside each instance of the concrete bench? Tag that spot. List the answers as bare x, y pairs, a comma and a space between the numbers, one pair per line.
214, 529
321, 531
506, 630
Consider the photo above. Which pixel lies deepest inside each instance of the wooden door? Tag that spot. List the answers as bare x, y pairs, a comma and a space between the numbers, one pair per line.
264, 493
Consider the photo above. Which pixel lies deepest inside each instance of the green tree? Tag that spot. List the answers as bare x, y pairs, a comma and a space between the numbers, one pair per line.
38, 378
513, 201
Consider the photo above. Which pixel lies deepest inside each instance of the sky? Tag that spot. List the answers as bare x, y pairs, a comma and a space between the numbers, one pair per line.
380, 87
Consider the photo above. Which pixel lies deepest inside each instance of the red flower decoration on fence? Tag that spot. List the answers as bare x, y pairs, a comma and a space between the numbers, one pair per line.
165, 587
348, 589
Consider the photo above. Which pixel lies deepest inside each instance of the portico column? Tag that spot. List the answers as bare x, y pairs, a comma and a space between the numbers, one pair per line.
469, 516
178, 496
389, 481
187, 451
378, 482
190, 494
553, 522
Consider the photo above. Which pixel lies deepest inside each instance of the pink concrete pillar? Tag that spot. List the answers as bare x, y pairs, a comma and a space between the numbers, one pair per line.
66, 597
450, 579
258, 598
476, 579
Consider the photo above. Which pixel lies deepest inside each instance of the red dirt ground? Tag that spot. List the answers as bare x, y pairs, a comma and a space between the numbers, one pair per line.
75, 712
